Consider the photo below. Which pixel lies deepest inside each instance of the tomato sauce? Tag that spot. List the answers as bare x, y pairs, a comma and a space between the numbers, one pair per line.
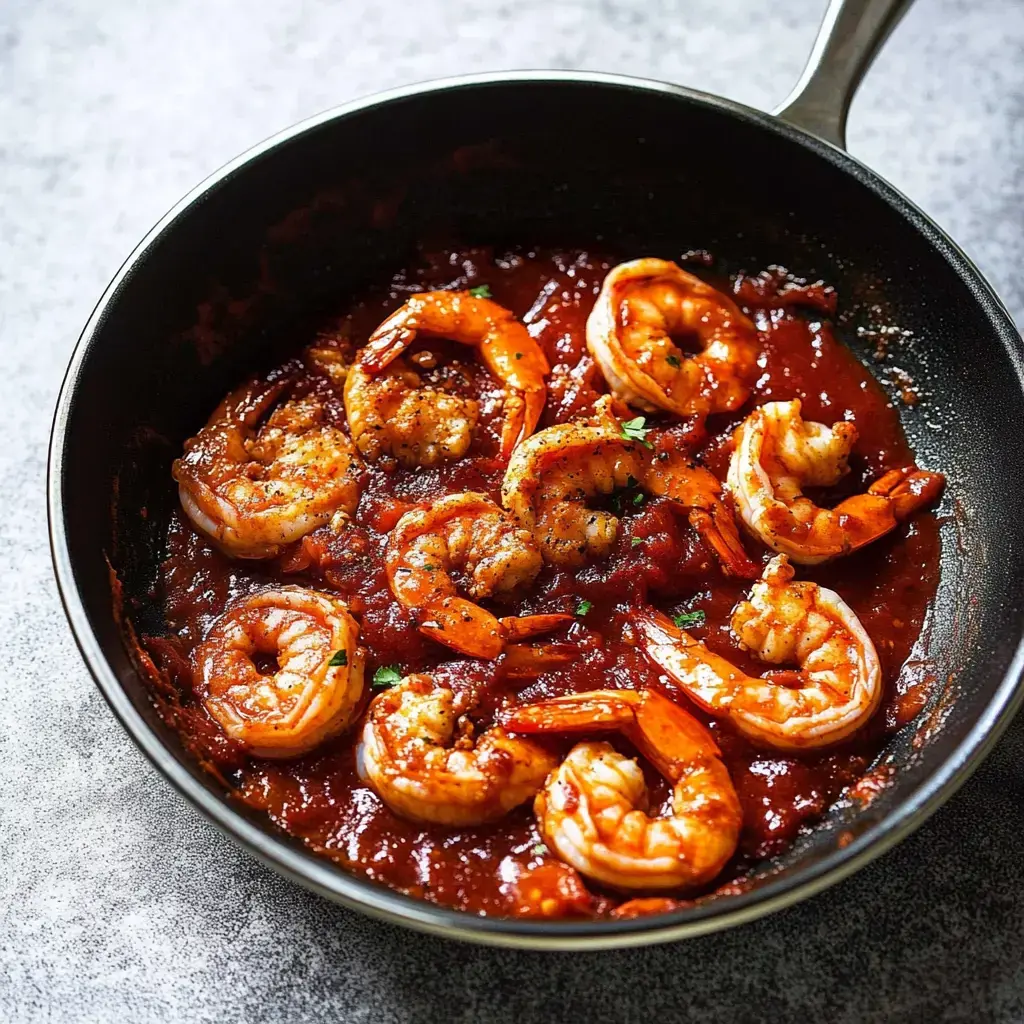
503, 868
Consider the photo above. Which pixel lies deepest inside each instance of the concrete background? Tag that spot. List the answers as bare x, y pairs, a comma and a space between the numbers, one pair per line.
117, 903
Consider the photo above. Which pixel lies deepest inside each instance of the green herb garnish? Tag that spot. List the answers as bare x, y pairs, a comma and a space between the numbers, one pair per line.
689, 619
673, 361
385, 676
583, 607
339, 659
634, 430
481, 291
539, 850
635, 542
638, 498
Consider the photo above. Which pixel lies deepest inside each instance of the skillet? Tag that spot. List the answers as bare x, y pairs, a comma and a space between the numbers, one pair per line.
318, 212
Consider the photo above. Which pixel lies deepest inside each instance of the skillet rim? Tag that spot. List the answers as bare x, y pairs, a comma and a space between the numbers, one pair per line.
356, 893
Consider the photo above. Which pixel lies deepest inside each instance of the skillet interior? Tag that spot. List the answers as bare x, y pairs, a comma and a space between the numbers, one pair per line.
551, 161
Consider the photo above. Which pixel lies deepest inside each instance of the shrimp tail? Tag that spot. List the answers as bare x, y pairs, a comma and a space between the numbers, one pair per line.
669, 736
388, 342
595, 711
522, 627
908, 489
683, 659
718, 530
526, 661
463, 626
522, 412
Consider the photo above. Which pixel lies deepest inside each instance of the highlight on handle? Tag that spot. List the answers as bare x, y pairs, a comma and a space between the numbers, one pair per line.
851, 34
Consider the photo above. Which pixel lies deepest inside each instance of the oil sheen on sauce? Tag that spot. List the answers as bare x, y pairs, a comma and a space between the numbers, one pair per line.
320, 798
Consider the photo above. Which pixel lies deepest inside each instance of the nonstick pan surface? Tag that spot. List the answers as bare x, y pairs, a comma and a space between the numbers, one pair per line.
314, 214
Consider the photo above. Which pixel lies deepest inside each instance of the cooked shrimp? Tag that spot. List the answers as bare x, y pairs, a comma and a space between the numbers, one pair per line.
254, 483
552, 475
629, 333
410, 755
838, 685
317, 678
778, 453
391, 414
469, 533
592, 811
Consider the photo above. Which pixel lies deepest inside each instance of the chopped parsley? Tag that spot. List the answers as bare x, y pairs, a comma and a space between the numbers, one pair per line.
583, 607
539, 850
638, 498
689, 619
634, 430
635, 542
385, 676
673, 361
481, 291
339, 659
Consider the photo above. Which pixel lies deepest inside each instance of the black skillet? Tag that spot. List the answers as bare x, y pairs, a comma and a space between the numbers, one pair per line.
326, 207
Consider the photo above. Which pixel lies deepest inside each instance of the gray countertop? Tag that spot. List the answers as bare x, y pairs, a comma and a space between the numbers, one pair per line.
117, 902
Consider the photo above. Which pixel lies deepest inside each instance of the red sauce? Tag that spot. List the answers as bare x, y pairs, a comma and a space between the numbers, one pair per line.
500, 868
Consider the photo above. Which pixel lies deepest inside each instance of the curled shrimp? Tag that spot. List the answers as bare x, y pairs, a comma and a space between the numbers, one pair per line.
778, 453
838, 685
465, 532
592, 811
629, 333
553, 475
389, 413
254, 482
316, 680
411, 756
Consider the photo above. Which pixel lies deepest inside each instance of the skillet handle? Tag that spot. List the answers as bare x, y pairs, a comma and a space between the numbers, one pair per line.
850, 36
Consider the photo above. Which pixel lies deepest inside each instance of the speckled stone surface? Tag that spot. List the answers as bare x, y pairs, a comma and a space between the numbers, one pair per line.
117, 902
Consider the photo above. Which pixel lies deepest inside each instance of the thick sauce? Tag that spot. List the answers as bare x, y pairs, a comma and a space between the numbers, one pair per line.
658, 558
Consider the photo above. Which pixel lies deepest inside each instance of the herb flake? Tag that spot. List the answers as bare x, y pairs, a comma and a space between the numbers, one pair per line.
673, 361
688, 620
339, 659
583, 607
481, 291
539, 850
635, 542
638, 498
634, 430
385, 676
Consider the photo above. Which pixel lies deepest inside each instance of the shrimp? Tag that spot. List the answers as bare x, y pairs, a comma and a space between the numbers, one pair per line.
466, 532
836, 690
552, 474
254, 484
317, 679
389, 414
778, 453
629, 333
592, 810
408, 755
